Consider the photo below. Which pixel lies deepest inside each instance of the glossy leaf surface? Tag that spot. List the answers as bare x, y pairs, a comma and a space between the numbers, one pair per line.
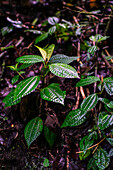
41, 37
87, 81
89, 102
9, 99
15, 79
110, 140
74, 118
32, 130
108, 84
63, 70
53, 93
26, 86
30, 59
61, 58
102, 159
104, 120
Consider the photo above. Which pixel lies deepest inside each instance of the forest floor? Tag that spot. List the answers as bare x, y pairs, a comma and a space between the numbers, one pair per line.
14, 153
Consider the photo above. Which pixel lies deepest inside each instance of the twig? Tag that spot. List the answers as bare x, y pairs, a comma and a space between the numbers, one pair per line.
93, 146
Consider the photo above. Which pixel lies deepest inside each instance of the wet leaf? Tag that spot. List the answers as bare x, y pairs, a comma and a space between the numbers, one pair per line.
52, 30
111, 152
102, 159
32, 130
41, 37
89, 102
49, 135
46, 163
27, 59
104, 120
15, 79
9, 99
53, 93
61, 58
87, 81
108, 84
63, 70
92, 164
110, 140
92, 50
74, 118
26, 86
53, 20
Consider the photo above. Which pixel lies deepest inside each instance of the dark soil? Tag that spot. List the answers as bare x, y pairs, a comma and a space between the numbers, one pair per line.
14, 153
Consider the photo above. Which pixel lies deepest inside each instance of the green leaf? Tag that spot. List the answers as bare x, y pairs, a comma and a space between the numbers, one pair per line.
30, 59
111, 152
74, 118
89, 102
49, 135
110, 104
53, 93
52, 30
63, 70
104, 120
104, 100
6, 30
108, 109
9, 99
49, 51
41, 37
61, 58
108, 84
102, 159
43, 52
92, 164
23, 66
32, 130
46, 163
85, 143
26, 86
92, 49
98, 38
87, 81
53, 20
110, 140
15, 79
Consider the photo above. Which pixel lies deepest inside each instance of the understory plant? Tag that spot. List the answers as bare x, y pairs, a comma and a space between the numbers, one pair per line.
59, 66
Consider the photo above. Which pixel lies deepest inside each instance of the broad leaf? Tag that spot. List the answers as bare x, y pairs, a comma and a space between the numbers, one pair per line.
53, 20
92, 50
32, 130
108, 84
110, 104
15, 79
91, 164
63, 70
104, 120
49, 51
46, 163
23, 66
74, 118
49, 135
102, 159
30, 59
43, 52
110, 140
104, 100
41, 37
53, 93
89, 102
111, 152
98, 38
9, 99
52, 30
61, 58
87, 81
33, 31
26, 86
